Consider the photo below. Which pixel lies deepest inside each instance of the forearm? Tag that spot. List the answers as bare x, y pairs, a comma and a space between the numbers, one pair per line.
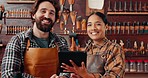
116, 67
11, 62
9, 67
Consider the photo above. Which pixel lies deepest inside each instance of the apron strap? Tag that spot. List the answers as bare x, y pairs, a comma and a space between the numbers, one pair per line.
28, 45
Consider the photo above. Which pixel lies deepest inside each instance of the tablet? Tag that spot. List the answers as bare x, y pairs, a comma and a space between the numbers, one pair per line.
77, 58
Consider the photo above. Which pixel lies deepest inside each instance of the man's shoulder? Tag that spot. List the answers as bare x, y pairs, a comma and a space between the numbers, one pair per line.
61, 42
59, 37
21, 36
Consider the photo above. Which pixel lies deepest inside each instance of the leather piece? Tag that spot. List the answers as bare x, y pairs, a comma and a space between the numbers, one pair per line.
41, 62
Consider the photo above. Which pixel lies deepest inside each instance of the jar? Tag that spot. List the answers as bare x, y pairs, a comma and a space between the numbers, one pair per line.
127, 66
139, 66
132, 65
145, 65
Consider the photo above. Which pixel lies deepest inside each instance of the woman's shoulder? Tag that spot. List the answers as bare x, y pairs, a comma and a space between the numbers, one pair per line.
113, 44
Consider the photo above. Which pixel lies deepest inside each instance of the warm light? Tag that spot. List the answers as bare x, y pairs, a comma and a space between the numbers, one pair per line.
95, 4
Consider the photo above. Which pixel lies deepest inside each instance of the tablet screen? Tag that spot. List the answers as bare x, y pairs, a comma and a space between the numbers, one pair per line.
77, 58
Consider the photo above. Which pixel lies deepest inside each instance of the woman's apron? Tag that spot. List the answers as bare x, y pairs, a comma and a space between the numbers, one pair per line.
41, 62
95, 61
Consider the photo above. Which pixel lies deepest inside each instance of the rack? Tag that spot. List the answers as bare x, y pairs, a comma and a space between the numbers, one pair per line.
20, 2
127, 13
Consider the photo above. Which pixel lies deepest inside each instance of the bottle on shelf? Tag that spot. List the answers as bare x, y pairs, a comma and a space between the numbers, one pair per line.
131, 6
142, 52
119, 28
128, 28
109, 6
139, 66
145, 65
132, 65
140, 7
125, 7
115, 7
145, 7
127, 66
120, 6
136, 6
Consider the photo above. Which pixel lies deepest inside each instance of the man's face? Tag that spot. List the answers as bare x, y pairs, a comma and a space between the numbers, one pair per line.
96, 28
45, 16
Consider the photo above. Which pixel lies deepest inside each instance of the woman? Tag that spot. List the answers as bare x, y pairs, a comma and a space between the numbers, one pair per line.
105, 59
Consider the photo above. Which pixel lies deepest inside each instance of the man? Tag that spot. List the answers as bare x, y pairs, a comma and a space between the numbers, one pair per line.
33, 53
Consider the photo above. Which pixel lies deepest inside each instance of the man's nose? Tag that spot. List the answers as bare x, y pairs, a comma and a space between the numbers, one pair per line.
47, 15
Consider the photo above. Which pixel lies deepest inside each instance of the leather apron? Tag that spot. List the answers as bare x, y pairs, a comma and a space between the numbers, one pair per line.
95, 61
41, 62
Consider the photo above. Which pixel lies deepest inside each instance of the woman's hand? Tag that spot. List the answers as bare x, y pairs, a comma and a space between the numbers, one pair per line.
81, 71
73, 75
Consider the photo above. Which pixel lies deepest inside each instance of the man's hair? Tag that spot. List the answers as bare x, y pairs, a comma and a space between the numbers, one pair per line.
55, 3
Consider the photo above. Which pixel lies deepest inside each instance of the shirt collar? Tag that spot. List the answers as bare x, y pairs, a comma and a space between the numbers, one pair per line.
90, 43
29, 35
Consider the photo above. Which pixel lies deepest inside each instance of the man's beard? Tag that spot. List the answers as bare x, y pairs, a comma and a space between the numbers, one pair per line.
44, 27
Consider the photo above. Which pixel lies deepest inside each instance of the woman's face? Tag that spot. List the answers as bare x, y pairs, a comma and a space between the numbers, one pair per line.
96, 28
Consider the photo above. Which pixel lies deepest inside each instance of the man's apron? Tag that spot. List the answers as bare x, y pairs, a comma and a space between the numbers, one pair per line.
41, 62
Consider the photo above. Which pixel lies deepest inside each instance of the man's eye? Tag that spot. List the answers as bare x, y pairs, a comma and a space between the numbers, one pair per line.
43, 11
52, 13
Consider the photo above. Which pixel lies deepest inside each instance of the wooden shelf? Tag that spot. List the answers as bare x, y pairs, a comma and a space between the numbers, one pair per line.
136, 72
144, 34
137, 56
18, 17
20, 2
127, 13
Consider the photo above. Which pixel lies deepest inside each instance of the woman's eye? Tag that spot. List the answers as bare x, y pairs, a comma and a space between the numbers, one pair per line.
98, 24
88, 24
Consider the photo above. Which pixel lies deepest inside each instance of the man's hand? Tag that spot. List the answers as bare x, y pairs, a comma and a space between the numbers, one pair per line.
55, 76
